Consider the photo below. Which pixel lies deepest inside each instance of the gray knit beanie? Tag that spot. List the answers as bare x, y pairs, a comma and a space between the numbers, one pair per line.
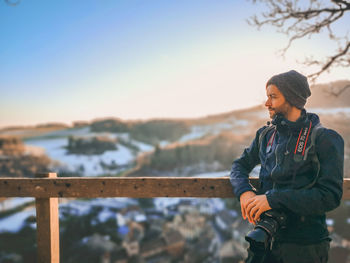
294, 87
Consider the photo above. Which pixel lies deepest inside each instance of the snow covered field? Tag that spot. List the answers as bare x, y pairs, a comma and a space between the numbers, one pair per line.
15, 222
198, 131
89, 165
53, 144
10, 203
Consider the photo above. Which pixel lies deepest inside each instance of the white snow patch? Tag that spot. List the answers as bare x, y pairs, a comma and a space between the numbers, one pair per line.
234, 122
82, 207
163, 143
140, 218
198, 131
205, 205
14, 223
11, 203
211, 205
242, 123
105, 214
121, 221
218, 127
329, 222
54, 148
163, 203
89, 165
142, 146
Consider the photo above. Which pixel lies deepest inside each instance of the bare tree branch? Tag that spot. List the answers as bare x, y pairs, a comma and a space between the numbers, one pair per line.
299, 19
331, 60
336, 92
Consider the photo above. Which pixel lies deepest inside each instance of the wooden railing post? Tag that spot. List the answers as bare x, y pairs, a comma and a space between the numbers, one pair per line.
47, 226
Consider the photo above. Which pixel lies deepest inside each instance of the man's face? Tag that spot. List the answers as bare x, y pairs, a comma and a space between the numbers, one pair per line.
276, 103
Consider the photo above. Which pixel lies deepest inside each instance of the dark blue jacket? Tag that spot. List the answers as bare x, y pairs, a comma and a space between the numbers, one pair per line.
283, 180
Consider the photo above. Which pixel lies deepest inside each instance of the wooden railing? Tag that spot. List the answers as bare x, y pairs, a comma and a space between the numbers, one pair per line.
47, 188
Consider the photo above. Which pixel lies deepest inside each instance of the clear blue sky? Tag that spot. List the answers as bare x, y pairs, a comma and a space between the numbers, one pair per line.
63, 61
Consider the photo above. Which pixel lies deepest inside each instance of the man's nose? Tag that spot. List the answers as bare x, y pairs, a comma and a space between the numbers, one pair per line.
267, 103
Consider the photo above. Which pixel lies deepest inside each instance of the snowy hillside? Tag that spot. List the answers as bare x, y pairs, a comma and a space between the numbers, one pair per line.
54, 145
240, 123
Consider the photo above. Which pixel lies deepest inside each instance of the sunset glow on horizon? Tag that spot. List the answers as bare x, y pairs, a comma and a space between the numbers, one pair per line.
65, 61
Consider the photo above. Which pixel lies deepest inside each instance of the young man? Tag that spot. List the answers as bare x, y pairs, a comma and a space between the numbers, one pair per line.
301, 178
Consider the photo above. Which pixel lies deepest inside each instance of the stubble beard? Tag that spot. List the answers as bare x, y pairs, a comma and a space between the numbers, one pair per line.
283, 109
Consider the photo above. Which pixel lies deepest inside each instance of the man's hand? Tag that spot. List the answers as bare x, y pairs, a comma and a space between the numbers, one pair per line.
255, 207
244, 198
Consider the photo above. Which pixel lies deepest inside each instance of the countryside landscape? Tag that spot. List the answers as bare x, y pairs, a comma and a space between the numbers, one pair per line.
158, 229
110, 91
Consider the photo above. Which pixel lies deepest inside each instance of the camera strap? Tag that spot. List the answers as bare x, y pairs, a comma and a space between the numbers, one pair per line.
302, 142
311, 149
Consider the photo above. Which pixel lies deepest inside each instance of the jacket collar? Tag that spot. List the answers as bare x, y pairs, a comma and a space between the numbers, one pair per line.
282, 124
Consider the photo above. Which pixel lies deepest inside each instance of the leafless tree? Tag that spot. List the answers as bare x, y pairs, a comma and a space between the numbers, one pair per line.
301, 19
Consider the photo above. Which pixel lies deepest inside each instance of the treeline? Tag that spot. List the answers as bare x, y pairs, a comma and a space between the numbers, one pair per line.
151, 132
90, 145
16, 162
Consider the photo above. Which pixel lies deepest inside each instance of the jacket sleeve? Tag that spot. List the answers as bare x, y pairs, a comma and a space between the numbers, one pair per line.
239, 176
326, 194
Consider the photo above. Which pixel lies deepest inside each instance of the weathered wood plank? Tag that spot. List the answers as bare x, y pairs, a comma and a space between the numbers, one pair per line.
346, 189
147, 187
116, 187
47, 220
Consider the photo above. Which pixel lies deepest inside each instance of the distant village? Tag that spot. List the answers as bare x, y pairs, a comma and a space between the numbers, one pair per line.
177, 230
169, 230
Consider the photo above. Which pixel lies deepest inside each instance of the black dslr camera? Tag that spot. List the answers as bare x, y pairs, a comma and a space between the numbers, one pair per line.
270, 222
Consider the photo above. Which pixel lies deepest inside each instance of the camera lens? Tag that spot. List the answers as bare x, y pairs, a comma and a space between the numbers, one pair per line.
258, 239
